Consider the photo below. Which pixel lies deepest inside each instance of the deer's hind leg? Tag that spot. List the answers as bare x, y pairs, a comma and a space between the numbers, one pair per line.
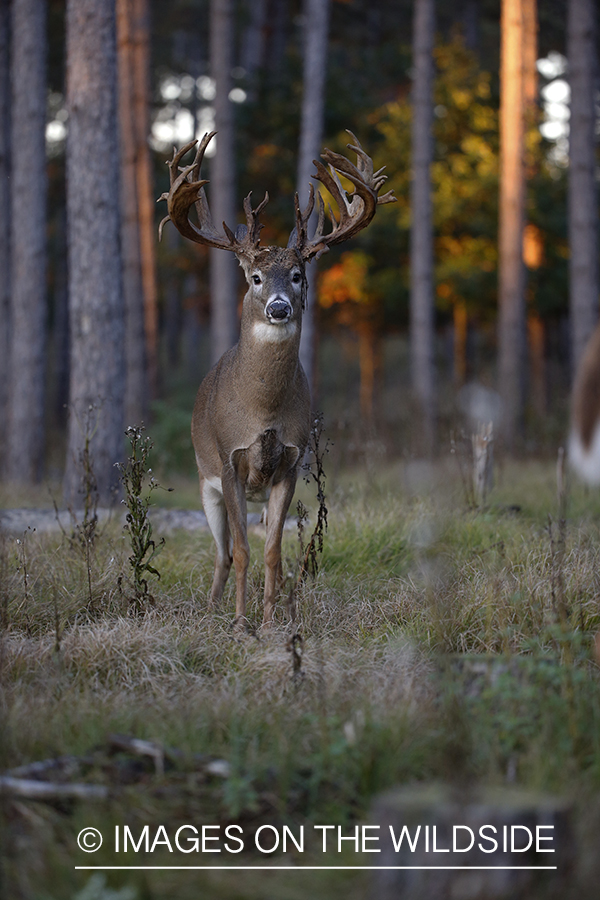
216, 515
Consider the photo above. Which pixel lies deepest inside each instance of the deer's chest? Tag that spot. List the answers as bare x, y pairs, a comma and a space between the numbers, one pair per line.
261, 463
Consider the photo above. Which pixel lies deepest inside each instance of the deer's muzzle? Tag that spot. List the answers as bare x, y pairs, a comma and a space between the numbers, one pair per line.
278, 309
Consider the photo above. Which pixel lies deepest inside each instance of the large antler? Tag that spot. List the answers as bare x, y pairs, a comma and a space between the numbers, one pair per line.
187, 190
356, 210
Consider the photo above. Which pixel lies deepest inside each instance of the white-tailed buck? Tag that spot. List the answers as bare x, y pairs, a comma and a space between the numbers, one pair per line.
251, 420
584, 440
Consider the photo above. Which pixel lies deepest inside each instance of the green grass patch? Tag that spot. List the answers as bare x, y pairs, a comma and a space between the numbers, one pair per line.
439, 643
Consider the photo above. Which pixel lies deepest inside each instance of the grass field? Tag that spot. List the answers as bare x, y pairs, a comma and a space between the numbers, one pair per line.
439, 643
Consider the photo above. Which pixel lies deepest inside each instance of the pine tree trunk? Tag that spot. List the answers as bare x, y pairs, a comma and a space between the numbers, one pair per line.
145, 185
133, 291
583, 198
223, 266
511, 289
316, 17
530, 55
461, 331
536, 333
61, 341
27, 358
421, 248
253, 49
4, 220
279, 17
172, 300
95, 289
368, 363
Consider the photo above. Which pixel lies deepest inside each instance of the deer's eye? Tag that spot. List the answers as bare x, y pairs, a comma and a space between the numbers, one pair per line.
256, 279
296, 278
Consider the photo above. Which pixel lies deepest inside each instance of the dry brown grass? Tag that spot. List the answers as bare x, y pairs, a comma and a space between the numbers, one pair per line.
412, 587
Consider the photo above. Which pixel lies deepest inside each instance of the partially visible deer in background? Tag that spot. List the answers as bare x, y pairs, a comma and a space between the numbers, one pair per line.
584, 439
251, 419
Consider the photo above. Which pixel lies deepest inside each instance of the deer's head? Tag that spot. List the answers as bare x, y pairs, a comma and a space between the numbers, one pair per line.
277, 277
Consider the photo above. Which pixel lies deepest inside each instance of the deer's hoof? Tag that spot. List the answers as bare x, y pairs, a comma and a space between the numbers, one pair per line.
240, 626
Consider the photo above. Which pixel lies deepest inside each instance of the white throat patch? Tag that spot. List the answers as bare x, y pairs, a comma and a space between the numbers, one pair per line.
264, 331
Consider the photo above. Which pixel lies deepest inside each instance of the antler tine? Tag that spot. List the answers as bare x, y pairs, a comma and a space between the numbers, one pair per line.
356, 209
298, 237
187, 190
199, 158
377, 179
253, 226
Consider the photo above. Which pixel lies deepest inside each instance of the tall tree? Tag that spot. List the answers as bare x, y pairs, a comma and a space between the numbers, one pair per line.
316, 30
140, 20
533, 247
133, 290
223, 266
4, 220
583, 198
422, 331
517, 21
27, 356
253, 46
95, 288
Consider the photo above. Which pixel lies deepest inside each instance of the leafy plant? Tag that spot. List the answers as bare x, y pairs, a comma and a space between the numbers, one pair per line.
144, 548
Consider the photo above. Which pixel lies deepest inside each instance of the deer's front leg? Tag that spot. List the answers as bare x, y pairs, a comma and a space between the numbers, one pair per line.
279, 503
234, 495
216, 515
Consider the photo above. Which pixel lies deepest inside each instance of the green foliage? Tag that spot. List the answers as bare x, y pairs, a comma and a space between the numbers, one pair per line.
171, 431
139, 528
431, 651
465, 190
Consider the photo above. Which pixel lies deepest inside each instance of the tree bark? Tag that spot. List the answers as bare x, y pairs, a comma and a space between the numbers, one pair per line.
537, 345
253, 49
27, 358
133, 291
316, 18
530, 54
511, 288
95, 290
223, 265
368, 358
4, 220
583, 198
279, 17
145, 184
422, 331
461, 332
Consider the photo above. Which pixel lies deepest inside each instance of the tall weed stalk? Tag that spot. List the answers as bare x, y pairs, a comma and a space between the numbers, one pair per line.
135, 474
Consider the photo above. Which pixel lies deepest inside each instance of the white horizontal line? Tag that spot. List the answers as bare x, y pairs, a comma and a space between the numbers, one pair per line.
312, 868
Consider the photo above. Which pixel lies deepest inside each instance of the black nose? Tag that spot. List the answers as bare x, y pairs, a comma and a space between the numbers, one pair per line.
278, 309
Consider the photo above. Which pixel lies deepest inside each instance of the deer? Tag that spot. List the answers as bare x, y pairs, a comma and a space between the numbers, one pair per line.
252, 415
584, 438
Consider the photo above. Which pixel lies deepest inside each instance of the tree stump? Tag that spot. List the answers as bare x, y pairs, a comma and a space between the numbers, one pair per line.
447, 849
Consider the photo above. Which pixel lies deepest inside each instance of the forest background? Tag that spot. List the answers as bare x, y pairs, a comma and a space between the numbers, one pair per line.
361, 374
446, 637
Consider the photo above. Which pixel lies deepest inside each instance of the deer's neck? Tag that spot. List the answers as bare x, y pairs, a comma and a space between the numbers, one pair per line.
267, 362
